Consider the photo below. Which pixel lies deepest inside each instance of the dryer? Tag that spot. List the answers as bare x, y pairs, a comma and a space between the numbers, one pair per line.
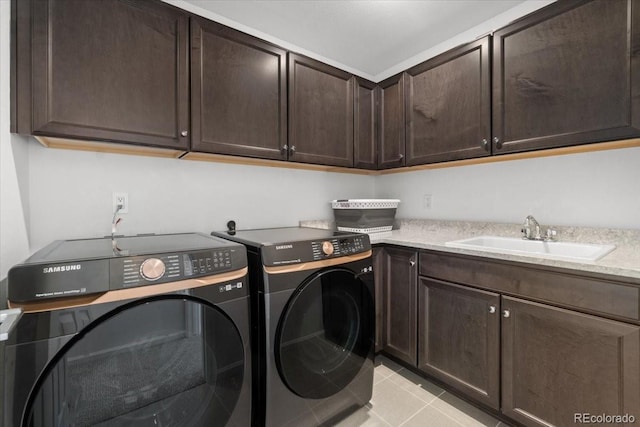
144, 330
313, 323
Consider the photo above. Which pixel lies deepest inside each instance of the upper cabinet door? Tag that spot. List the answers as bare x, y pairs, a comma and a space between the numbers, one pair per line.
392, 126
320, 113
567, 75
448, 106
111, 70
238, 93
365, 132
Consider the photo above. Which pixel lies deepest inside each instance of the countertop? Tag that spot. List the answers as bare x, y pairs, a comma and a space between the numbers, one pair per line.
624, 261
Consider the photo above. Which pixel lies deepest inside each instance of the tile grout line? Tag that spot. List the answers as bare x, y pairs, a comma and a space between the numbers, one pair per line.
380, 416
414, 394
412, 415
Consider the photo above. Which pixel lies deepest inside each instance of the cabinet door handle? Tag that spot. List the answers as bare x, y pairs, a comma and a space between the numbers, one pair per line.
400, 157
292, 150
412, 263
485, 144
497, 142
184, 133
506, 313
492, 309
284, 149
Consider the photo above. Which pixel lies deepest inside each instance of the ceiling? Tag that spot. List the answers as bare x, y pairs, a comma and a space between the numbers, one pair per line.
374, 39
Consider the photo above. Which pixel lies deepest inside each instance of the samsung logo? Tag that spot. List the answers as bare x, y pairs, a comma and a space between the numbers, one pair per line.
279, 247
62, 268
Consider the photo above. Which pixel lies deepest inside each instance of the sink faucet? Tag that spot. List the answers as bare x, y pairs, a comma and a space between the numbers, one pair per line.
535, 234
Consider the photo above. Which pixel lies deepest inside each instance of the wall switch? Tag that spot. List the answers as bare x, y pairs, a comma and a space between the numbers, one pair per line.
121, 199
426, 201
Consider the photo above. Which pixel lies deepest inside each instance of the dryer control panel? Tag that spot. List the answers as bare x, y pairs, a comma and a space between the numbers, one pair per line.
315, 250
145, 270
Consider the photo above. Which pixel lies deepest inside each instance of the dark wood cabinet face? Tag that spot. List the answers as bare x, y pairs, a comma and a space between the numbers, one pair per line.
238, 93
448, 106
567, 75
111, 70
365, 132
391, 147
320, 113
459, 338
400, 296
556, 363
379, 274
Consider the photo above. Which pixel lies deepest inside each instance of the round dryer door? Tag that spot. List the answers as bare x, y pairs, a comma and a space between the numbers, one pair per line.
165, 361
325, 333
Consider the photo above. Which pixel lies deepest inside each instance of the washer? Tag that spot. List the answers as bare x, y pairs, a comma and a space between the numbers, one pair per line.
133, 331
312, 296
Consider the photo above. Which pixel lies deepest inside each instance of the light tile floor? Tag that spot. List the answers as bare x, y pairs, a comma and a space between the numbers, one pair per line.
402, 398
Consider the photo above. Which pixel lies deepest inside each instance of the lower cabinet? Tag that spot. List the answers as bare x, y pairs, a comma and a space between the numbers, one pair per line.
558, 363
459, 338
555, 364
378, 269
400, 303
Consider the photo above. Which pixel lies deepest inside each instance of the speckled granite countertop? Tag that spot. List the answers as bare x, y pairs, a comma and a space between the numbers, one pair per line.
433, 234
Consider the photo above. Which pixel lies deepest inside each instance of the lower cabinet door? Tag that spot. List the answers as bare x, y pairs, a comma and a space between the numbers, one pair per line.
400, 295
459, 338
559, 366
378, 270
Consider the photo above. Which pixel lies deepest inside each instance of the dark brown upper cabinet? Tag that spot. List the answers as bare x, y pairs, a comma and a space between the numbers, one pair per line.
238, 93
107, 70
567, 75
365, 125
391, 122
320, 113
448, 100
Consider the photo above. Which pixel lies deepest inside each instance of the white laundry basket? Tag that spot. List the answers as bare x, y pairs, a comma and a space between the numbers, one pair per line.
365, 215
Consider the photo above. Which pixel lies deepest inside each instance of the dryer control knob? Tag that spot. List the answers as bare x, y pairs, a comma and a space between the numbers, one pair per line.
327, 248
152, 269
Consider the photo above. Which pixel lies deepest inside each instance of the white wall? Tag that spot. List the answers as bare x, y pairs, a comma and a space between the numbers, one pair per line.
14, 244
71, 194
599, 189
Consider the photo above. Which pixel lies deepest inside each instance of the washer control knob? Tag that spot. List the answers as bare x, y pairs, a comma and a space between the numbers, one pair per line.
152, 269
327, 248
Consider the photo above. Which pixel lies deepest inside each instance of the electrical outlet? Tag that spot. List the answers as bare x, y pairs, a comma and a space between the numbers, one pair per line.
121, 199
426, 201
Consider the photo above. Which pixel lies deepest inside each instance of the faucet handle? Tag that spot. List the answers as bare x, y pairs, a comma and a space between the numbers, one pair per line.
551, 234
526, 231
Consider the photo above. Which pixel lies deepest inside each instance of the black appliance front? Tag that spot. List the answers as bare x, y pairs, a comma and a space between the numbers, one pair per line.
178, 359
313, 323
164, 354
319, 344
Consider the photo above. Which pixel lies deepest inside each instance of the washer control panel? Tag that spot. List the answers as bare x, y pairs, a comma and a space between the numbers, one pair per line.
339, 247
314, 250
145, 270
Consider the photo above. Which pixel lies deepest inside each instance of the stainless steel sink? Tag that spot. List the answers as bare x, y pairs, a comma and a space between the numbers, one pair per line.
542, 249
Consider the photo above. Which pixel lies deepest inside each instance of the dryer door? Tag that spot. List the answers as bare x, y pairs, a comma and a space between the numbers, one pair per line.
172, 360
325, 333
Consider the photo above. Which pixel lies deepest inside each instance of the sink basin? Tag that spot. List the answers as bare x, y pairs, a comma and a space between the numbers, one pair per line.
552, 250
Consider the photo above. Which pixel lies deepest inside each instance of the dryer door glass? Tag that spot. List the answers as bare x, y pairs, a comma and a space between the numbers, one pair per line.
166, 361
325, 333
